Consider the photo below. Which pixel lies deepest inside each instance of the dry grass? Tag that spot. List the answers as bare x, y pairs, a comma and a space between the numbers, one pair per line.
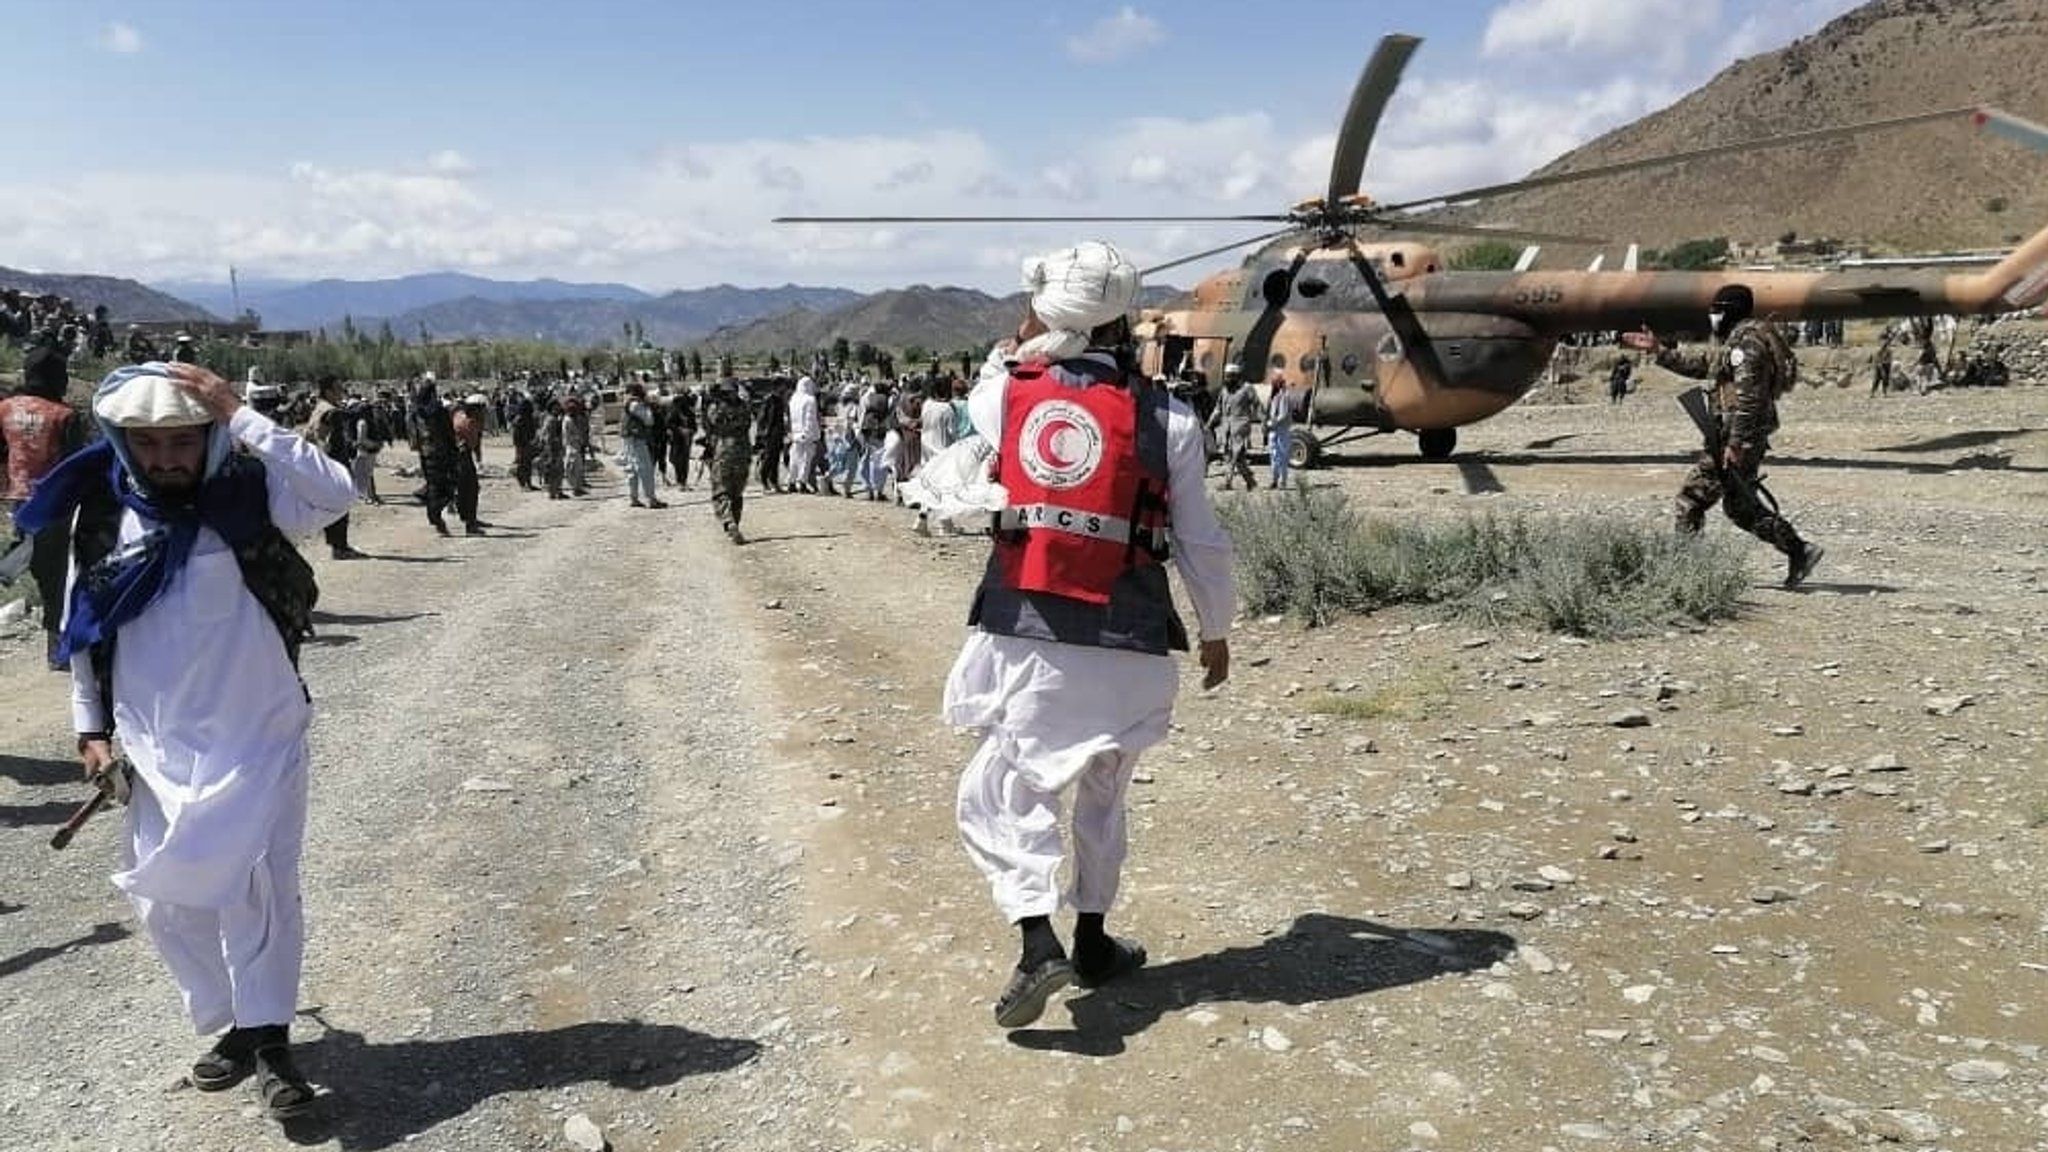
1308, 553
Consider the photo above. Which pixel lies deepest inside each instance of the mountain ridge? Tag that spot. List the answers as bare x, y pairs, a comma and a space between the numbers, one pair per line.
1921, 188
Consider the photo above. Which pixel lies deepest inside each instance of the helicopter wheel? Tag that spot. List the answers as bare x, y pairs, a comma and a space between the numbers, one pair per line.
1304, 451
1437, 443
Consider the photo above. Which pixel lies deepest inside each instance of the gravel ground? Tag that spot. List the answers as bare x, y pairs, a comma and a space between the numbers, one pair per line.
617, 820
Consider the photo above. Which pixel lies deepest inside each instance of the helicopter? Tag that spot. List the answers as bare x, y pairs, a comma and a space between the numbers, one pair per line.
1390, 338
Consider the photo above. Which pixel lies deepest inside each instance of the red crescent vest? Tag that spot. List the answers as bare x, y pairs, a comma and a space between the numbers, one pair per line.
1077, 555
35, 430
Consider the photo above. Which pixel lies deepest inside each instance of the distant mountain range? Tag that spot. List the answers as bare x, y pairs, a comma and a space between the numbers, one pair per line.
287, 305
127, 302
677, 318
941, 320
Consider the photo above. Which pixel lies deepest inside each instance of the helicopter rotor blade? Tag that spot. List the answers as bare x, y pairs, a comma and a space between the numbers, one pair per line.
1428, 228
1258, 218
1217, 251
1362, 119
1415, 341
1490, 190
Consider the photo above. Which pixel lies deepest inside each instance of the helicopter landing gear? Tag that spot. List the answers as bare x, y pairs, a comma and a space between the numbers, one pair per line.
1437, 443
1304, 451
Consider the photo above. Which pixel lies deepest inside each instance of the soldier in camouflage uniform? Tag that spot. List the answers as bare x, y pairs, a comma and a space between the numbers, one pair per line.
728, 422
1751, 368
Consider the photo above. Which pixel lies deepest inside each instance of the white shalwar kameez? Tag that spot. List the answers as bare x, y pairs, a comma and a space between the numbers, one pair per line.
1057, 715
210, 711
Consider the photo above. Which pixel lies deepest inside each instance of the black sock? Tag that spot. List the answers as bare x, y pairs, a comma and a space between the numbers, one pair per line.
1040, 942
1088, 927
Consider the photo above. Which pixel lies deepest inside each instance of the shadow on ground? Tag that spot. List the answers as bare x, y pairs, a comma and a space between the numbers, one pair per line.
380, 1095
100, 934
40, 771
1319, 958
28, 815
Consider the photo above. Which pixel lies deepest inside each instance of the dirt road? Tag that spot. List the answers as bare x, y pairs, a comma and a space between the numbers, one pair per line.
612, 818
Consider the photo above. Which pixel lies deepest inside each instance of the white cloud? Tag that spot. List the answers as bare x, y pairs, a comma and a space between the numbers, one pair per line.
449, 162
121, 39
1123, 33
1656, 30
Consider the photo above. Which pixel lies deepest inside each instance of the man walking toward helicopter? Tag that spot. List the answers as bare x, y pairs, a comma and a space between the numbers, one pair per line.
1753, 366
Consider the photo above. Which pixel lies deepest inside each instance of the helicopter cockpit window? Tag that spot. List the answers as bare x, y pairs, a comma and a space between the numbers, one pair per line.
1349, 364
1312, 287
1277, 287
1399, 260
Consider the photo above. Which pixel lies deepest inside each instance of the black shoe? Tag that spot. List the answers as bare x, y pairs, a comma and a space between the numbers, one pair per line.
227, 1063
637, 504
285, 1092
1799, 565
733, 532
1024, 998
657, 504
1122, 958
441, 526
348, 554
472, 529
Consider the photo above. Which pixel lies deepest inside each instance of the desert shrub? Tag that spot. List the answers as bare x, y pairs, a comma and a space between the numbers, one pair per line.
1307, 553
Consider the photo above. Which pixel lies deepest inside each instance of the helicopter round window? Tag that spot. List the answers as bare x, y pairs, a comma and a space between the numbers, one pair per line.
1389, 348
1312, 287
1349, 364
1308, 363
1278, 361
1205, 360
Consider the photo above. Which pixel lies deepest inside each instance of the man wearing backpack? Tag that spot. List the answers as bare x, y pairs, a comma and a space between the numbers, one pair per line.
877, 415
182, 639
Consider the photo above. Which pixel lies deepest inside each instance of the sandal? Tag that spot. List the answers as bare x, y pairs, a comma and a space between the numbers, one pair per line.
284, 1091
1126, 957
227, 1064
1024, 997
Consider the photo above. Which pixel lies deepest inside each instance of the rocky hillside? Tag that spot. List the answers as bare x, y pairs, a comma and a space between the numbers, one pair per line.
126, 301
1920, 188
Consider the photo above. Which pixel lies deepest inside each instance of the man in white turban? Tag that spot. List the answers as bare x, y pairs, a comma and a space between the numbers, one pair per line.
183, 639
1068, 676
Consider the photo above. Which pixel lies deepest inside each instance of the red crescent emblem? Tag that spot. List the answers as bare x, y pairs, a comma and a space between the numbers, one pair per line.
1048, 442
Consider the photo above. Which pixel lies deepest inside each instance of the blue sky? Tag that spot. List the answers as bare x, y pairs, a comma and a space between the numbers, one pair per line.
650, 141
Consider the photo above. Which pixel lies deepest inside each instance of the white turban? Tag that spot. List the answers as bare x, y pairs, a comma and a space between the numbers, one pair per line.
146, 397
1076, 290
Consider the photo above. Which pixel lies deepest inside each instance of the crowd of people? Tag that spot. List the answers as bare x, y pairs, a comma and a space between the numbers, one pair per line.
45, 319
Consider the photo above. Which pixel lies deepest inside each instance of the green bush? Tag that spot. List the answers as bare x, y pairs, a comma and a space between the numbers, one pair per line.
1306, 552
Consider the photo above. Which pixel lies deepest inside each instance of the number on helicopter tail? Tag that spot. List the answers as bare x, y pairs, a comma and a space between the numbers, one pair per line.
1538, 294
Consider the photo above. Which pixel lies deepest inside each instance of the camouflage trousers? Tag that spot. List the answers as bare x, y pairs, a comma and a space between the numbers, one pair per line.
729, 468
1707, 485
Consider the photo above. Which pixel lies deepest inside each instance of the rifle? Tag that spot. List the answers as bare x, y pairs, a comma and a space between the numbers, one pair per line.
1697, 405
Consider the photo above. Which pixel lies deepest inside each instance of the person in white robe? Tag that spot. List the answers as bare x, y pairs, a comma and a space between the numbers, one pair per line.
935, 435
1057, 717
212, 715
806, 435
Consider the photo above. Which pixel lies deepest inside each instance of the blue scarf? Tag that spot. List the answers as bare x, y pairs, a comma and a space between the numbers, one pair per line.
234, 501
